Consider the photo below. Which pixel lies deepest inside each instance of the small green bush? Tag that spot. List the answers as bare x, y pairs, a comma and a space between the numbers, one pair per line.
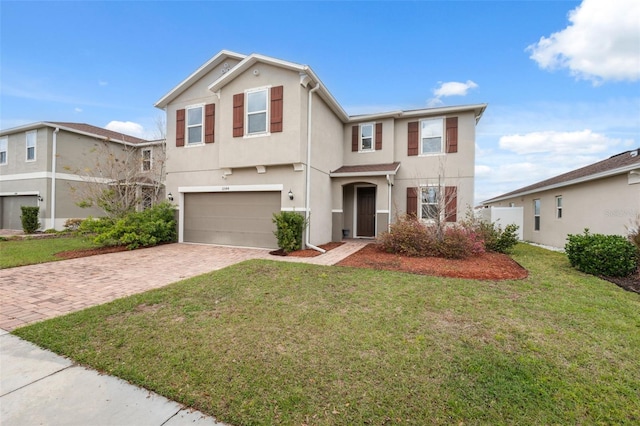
507, 239
598, 254
289, 229
137, 229
29, 218
494, 237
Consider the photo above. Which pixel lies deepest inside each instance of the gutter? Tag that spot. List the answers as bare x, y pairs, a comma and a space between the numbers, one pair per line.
307, 211
389, 186
54, 155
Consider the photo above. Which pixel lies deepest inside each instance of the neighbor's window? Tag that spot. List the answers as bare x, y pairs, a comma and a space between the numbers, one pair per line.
429, 199
366, 137
559, 207
146, 160
536, 215
4, 143
31, 145
194, 125
147, 197
431, 136
257, 112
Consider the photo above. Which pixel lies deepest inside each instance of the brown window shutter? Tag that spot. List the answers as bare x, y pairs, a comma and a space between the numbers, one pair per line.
412, 202
238, 115
354, 138
451, 204
276, 109
209, 122
378, 136
452, 134
412, 143
180, 127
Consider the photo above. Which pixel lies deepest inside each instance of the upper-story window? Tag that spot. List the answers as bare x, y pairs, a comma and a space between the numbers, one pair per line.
31, 145
431, 136
366, 137
194, 125
4, 143
146, 160
257, 111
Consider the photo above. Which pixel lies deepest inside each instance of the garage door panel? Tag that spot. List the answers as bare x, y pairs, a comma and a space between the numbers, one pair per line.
239, 219
11, 210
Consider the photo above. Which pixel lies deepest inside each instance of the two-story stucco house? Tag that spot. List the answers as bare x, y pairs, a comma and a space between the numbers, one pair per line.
249, 136
603, 196
44, 164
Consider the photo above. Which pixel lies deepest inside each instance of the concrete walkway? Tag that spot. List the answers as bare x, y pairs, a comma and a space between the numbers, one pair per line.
40, 387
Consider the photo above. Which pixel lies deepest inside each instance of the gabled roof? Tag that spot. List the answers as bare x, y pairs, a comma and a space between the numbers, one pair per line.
366, 170
84, 129
614, 165
218, 59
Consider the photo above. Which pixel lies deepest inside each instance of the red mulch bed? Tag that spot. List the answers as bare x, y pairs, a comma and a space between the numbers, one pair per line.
488, 266
307, 252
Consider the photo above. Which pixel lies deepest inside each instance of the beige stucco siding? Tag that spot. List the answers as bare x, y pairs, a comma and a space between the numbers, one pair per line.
17, 153
385, 155
605, 206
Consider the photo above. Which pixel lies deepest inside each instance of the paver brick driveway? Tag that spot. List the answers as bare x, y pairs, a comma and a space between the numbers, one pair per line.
35, 292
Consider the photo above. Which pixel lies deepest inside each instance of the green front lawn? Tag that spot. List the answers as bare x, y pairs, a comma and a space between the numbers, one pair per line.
28, 251
266, 342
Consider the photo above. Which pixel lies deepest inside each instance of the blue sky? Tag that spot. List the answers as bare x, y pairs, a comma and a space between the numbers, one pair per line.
562, 78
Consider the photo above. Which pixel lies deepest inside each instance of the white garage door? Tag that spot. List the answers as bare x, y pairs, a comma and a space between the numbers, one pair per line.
11, 210
231, 218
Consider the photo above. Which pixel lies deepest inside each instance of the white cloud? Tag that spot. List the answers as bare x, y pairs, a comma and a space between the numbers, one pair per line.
76, 109
561, 143
102, 83
127, 127
451, 88
601, 43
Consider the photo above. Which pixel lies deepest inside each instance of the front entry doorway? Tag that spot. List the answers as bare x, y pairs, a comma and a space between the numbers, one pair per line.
366, 211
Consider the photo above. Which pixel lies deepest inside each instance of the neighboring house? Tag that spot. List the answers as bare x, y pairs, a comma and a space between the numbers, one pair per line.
46, 164
249, 136
604, 197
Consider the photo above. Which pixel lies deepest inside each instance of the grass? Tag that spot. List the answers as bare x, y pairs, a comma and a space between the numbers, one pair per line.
28, 251
265, 342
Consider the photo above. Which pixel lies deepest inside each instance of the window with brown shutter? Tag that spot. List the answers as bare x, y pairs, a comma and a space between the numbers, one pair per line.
354, 138
412, 202
451, 204
452, 134
209, 122
180, 114
412, 142
238, 115
378, 136
276, 109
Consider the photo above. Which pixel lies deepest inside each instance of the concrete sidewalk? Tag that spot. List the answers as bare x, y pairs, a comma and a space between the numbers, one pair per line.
38, 387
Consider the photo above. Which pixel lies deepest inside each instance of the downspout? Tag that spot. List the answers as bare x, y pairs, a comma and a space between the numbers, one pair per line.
54, 155
307, 205
389, 185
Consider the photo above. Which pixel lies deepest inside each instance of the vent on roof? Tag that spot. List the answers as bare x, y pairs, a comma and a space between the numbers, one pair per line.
635, 152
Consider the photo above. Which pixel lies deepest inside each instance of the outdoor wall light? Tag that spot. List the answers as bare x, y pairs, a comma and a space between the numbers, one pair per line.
290, 195
40, 198
170, 196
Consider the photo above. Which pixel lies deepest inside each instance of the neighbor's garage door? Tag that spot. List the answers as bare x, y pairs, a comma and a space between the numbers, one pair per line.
11, 211
231, 218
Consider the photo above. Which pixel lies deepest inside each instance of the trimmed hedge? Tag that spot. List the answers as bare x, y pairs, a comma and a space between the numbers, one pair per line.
598, 254
29, 218
289, 229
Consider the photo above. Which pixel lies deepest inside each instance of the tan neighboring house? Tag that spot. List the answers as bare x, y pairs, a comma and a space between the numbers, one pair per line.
604, 197
250, 135
40, 163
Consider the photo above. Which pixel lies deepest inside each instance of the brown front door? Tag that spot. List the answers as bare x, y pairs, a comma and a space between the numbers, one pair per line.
366, 216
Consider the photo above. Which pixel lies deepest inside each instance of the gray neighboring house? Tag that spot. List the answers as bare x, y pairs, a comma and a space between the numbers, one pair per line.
604, 197
39, 165
251, 135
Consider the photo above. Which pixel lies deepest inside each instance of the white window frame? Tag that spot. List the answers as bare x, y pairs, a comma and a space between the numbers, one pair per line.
361, 147
422, 136
537, 206
201, 125
4, 149
559, 207
147, 161
35, 143
266, 112
439, 193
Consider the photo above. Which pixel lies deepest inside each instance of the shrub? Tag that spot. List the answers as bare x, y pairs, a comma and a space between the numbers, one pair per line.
494, 238
29, 218
634, 233
598, 254
137, 229
289, 229
459, 243
507, 239
72, 225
